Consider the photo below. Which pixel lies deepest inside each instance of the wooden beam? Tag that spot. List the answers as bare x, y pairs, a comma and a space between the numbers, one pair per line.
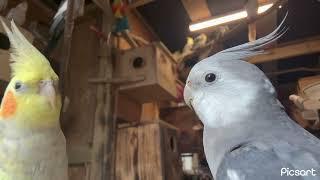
137, 3
197, 10
252, 10
299, 48
103, 150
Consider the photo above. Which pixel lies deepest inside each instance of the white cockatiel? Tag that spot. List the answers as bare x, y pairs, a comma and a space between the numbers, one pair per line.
247, 134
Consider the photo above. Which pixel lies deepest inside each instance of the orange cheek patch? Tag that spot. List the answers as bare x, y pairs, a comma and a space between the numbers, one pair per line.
9, 105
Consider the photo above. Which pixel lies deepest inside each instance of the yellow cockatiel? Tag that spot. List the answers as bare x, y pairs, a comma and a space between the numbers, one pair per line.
32, 145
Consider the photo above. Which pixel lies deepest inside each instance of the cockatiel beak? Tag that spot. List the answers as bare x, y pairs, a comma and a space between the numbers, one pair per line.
48, 90
188, 95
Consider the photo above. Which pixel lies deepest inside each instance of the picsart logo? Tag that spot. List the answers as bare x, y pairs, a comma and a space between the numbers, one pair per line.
298, 172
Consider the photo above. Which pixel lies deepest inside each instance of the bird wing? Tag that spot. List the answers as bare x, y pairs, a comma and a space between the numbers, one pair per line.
252, 161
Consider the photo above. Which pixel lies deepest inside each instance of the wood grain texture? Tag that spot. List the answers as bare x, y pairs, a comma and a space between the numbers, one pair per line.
128, 110
78, 127
147, 152
78, 172
127, 147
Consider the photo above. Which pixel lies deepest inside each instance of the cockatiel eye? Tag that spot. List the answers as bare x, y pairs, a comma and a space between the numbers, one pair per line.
210, 77
19, 86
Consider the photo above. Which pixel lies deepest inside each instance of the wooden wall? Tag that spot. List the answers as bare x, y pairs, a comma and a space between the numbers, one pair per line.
79, 121
78, 125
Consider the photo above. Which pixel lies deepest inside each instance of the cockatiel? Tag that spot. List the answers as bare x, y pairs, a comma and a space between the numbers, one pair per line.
32, 145
247, 134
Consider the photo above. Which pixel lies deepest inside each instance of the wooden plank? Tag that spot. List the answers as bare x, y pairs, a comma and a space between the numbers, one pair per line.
103, 156
128, 110
127, 148
78, 126
78, 172
150, 112
300, 48
197, 10
172, 164
139, 153
148, 151
78, 155
137, 3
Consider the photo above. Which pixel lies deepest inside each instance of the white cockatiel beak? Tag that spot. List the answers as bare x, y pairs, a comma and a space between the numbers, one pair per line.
47, 89
187, 94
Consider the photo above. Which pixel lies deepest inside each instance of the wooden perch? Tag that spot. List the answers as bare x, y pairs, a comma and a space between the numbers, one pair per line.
117, 80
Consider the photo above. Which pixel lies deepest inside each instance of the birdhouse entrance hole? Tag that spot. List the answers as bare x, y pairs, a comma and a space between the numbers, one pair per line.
138, 62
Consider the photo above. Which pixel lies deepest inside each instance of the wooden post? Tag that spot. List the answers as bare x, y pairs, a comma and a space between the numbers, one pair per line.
102, 166
252, 9
66, 47
252, 31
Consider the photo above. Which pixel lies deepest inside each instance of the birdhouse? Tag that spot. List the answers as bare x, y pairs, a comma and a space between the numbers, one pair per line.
156, 70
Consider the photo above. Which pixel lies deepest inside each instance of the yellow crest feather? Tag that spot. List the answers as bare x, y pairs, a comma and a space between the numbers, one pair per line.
25, 59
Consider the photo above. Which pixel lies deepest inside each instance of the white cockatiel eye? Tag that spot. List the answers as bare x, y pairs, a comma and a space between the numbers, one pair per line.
210, 77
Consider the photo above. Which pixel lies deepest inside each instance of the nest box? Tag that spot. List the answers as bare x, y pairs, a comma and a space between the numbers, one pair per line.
156, 70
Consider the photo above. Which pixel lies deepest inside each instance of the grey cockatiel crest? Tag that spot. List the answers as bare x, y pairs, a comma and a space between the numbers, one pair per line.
247, 134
